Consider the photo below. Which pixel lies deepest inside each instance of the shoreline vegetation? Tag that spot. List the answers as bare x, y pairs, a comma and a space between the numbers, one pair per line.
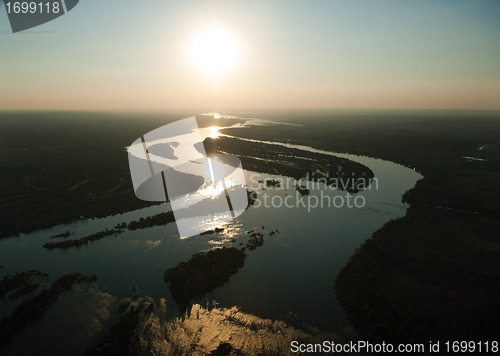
82, 241
63, 235
34, 307
21, 284
118, 339
430, 275
200, 330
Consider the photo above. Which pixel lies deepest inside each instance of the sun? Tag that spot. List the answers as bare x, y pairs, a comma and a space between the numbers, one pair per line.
214, 50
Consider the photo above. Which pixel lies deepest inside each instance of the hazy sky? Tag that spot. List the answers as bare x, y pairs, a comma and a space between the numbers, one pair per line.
119, 54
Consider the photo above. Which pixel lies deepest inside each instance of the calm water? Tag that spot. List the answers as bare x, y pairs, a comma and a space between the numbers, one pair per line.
290, 277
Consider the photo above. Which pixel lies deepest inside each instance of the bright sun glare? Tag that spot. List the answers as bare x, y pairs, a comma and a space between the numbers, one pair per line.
214, 131
214, 51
